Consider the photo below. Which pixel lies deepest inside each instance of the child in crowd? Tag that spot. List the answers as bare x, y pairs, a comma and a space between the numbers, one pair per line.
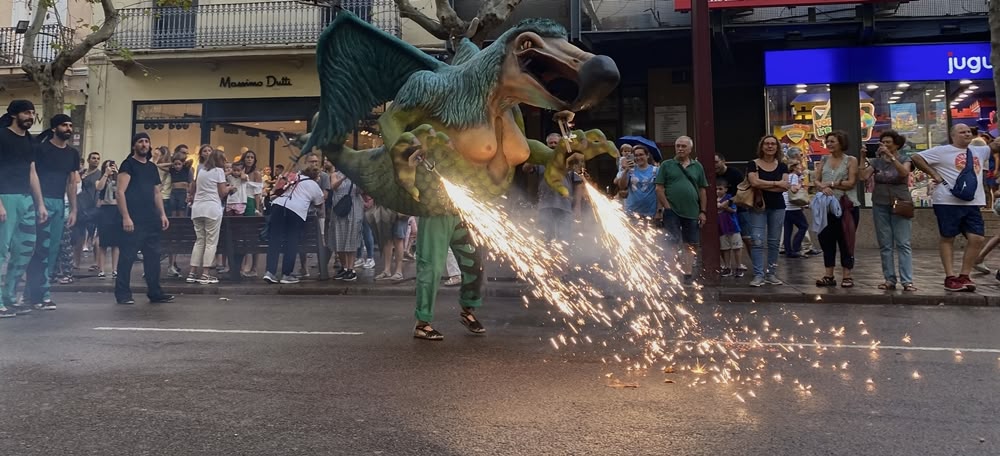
729, 230
236, 204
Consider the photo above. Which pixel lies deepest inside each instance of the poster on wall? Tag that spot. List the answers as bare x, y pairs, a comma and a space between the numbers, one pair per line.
671, 123
904, 118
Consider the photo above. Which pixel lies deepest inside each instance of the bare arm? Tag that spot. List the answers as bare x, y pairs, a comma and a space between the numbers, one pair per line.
71, 182
661, 197
36, 192
922, 165
158, 202
123, 181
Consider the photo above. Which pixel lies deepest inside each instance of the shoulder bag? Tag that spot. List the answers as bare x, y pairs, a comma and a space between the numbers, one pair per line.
344, 205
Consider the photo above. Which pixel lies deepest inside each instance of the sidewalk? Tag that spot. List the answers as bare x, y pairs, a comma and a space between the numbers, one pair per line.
799, 275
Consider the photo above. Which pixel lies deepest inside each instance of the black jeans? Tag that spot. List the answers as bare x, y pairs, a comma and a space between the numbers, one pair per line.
832, 237
795, 219
285, 231
145, 237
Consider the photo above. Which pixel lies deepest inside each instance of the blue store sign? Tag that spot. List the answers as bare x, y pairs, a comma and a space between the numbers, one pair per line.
933, 62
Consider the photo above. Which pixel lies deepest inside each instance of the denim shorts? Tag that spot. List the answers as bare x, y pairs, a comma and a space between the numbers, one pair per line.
399, 229
177, 201
954, 220
681, 229
744, 218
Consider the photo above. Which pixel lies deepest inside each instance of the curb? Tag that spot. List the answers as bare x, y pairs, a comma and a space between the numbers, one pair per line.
505, 289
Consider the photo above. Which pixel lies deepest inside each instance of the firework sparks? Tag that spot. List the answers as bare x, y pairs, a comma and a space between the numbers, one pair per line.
652, 319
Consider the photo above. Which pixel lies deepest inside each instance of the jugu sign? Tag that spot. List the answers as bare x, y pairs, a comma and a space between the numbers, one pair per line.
973, 64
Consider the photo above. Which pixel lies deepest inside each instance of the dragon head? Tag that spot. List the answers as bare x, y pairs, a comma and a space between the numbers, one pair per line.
543, 69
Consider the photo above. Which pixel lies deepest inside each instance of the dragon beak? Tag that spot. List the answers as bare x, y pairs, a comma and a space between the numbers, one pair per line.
598, 78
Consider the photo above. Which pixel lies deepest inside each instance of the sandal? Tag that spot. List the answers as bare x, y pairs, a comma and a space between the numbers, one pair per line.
383, 275
887, 286
847, 282
453, 281
470, 321
826, 282
909, 287
426, 332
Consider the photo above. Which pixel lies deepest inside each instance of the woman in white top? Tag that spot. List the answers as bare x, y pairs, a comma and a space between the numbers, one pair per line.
206, 213
794, 217
288, 219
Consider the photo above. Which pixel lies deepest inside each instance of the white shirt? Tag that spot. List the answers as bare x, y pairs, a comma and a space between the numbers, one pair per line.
793, 179
207, 202
949, 161
303, 194
240, 195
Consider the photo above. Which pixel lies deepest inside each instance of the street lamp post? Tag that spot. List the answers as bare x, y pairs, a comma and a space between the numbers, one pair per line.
704, 134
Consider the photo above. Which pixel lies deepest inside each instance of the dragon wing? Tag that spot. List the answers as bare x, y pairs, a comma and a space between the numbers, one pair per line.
360, 67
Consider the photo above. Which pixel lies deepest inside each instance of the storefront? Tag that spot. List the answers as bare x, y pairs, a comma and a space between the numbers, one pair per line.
235, 106
918, 90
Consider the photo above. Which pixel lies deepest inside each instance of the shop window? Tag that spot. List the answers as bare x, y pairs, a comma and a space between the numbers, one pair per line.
800, 117
172, 133
167, 111
268, 140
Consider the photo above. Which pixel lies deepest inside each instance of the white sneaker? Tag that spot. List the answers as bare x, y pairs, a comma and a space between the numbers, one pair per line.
359, 262
290, 279
269, 278
174, 271
369, 264
981, 267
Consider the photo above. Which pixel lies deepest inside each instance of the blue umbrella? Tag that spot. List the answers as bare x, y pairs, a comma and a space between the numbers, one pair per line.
640, 141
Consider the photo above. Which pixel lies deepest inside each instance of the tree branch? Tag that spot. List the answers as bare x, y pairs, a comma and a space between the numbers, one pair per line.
28, 45
67, 57
492, 14
408, 11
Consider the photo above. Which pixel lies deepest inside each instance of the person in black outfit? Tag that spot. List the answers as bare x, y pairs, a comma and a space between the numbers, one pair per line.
140, 205
57, 165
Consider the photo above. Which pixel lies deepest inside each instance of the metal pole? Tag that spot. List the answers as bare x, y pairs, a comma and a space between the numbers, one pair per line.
704, 134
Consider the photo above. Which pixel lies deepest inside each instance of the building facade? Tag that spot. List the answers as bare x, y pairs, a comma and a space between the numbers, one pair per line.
239, 76
61, 29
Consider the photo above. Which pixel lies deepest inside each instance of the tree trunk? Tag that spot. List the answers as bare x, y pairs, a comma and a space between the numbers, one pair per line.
53, 96
995, 42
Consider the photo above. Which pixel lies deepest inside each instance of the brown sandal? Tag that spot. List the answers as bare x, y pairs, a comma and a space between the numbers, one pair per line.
887, 286
909, 287
826, 282
426, 332
847, 282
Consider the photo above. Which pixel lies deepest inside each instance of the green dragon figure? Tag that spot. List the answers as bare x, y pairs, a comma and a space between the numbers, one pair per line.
461, 119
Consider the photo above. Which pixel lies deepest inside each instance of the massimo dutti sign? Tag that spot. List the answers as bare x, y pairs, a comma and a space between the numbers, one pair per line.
227, 82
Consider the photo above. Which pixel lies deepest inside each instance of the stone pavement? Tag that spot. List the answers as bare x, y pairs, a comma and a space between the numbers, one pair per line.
799, 276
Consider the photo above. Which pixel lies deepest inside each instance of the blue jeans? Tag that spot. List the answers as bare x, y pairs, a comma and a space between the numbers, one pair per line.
795, 219
769, 221
893, 232
367, 241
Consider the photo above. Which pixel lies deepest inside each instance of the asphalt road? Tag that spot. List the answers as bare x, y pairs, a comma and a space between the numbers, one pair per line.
354, 382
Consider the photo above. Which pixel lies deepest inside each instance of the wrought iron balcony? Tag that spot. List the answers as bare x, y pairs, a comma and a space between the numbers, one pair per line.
49, 41
236, 25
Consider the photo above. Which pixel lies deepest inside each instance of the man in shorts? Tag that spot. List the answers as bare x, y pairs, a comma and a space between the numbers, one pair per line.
956, 216
682, 199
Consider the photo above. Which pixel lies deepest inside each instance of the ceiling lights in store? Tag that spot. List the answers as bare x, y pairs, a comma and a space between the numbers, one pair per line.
973, 87
892, 101
898, 92
800, 91
965, 82
962, 96
801, 86
903, 85
894, 98
872, 86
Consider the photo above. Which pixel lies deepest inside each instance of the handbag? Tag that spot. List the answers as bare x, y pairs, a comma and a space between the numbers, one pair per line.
746, 195
799, 198
902, 208
345, 204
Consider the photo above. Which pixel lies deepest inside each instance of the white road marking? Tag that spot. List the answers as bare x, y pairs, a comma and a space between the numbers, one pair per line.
864, 347
232, 331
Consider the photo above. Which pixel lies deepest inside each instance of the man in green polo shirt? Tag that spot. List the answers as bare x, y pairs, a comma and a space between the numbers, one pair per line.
682, 199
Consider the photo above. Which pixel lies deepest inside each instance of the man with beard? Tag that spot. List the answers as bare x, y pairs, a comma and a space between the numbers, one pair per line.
141, 208
21, 204
57, 166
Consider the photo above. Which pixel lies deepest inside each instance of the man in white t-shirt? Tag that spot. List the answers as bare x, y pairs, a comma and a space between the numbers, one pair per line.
956, 216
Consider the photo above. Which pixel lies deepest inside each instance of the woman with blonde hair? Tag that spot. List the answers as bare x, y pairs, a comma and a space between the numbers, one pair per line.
211, 188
